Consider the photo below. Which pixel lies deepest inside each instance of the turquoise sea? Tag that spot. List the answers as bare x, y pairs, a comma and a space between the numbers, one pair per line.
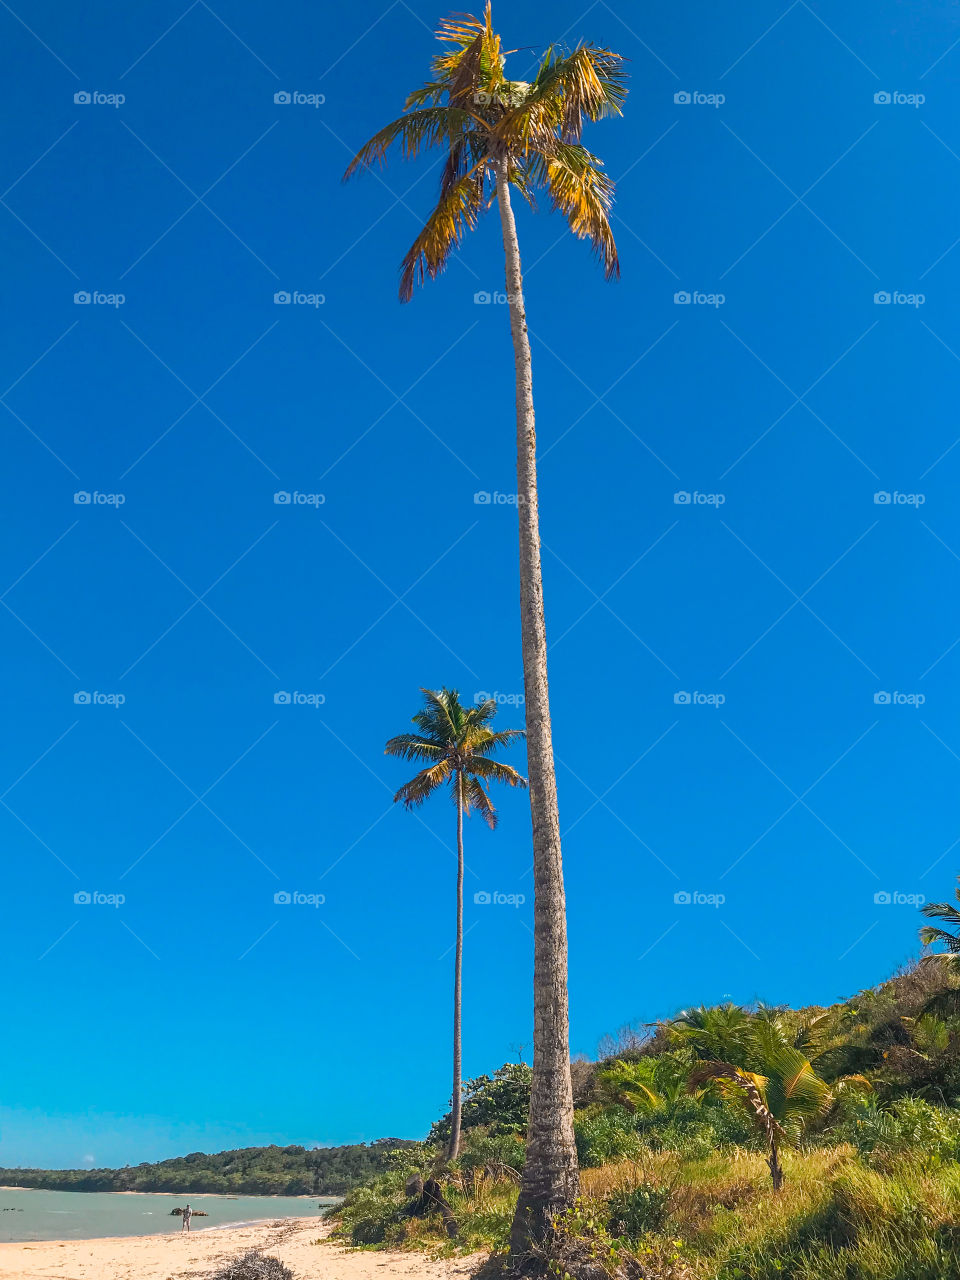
86, 1215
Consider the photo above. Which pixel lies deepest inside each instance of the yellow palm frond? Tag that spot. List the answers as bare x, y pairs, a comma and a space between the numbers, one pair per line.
482, 119
413, 793
476, 58
583, 193
588, 83
456, 213
475, 797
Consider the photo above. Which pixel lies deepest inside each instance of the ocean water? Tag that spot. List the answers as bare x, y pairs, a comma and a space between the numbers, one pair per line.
86, 1215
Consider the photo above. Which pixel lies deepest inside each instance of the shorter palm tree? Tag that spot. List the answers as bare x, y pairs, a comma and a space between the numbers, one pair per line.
456, 744
800, 1093
781, 1098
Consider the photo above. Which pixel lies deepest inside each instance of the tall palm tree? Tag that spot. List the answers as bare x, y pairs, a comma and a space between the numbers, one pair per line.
501, 134
457, 744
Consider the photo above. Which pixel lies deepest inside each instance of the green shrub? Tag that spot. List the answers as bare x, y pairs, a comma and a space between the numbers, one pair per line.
504, 1152
605, 1135
500, 1103
907, 1125
637, 1210
367, 1213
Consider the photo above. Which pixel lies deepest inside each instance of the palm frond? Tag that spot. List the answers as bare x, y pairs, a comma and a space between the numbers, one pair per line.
492, 741
496, 771
456, 213
415, 131
438, 716
929, 934
413, 793
941, 911
747, 1084
412, 746
474, 44
587, 84
465, 81
811, 1036
475, 797
432, 92
853, 1084
481, 713
794, 1091
583, 193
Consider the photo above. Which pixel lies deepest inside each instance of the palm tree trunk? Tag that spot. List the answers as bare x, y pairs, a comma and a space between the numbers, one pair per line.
454, 1149
776, 1169
551, 1178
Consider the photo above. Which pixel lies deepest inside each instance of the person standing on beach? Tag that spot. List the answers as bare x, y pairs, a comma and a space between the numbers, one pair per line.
187, 1215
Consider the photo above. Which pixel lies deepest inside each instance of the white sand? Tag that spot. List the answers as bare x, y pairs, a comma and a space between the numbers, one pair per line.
188, 1256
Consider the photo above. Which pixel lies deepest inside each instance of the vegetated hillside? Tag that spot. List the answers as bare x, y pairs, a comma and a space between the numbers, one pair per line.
291, 1171
726, 1143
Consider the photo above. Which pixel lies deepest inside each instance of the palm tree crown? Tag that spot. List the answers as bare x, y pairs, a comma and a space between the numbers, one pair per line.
484, 120
949, 915
455, 742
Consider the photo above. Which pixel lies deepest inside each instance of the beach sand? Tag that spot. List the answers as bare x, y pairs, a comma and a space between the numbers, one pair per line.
189, 1256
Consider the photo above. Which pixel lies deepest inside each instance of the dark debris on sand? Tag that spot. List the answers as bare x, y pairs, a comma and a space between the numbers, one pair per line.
254, 1266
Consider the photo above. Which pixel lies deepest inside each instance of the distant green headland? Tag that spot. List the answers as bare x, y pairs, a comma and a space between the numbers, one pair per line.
287, 1171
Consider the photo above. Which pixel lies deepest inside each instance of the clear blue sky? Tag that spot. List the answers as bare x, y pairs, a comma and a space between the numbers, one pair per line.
199, 1013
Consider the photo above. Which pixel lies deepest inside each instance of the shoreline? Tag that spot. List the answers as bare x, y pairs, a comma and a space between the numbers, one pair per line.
301, 1243
207, 1195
